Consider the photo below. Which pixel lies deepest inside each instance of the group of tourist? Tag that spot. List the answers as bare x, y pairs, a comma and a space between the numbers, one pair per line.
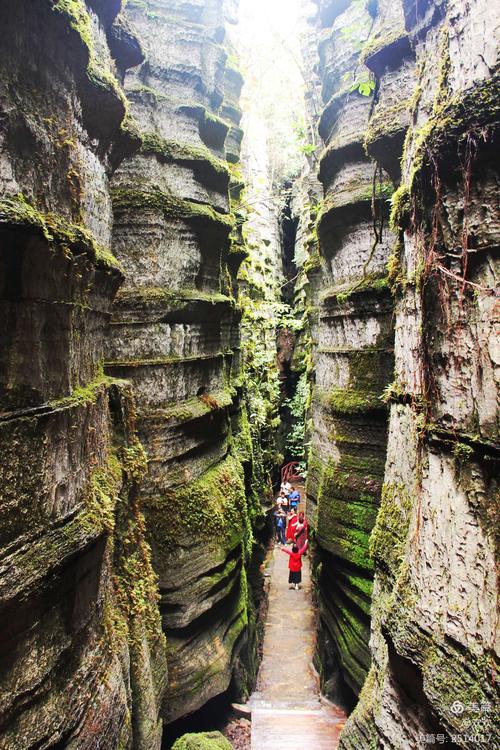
291, 528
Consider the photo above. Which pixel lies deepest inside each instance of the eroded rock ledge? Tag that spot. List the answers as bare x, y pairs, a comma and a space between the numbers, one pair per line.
351, 327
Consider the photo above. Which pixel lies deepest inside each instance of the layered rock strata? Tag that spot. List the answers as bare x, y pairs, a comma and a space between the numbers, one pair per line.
434, 639
175, 335
82, 654
352, 351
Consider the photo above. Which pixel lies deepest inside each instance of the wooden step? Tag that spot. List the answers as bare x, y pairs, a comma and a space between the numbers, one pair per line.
286, 708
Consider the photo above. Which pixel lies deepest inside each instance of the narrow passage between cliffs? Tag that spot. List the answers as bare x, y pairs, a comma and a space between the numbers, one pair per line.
287, 709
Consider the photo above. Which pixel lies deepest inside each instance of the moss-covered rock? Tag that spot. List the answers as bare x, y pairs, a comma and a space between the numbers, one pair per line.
202, 741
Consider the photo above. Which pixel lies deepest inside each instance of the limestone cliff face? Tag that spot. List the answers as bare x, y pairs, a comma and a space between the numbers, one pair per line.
82, 653
174, 334
433, 128
352, 351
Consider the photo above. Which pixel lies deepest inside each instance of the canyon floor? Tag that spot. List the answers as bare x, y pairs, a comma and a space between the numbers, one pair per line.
286, 708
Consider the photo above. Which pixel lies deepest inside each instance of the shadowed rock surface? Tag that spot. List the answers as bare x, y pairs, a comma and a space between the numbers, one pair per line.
98, 349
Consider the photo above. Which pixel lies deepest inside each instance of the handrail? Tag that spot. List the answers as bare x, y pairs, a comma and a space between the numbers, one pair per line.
289, 472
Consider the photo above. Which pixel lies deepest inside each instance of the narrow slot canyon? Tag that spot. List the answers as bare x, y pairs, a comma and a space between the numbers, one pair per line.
245, 243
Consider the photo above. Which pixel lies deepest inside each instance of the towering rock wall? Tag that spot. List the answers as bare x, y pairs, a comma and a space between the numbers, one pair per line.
434, 621
82, 653
433, 129
175, 335
352, 351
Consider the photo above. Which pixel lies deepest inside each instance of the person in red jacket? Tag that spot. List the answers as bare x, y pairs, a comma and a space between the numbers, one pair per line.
301, 531
295, 564
291, 526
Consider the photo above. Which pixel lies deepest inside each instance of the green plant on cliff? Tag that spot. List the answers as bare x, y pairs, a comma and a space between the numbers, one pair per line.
298, 406
364, 85
261, 311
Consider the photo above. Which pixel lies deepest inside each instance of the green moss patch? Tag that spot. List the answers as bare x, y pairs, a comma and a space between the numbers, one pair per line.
378, 42
183, 153
162, 361
57, 230
202, 741
344, 518
85, 394
169, 205
369, 283
151, 296
193, 408
396, 276
454, 119
211, 508
360, 728
363, 193
400, 209
450, 671
388, 540
388, 120
348, 401
135, 581
98, 69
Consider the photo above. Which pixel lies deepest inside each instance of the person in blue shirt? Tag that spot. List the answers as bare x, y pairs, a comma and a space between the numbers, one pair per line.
280, 525
294, 498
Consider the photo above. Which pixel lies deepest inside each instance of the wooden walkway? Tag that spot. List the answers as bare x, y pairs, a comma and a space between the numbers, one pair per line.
286, 709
